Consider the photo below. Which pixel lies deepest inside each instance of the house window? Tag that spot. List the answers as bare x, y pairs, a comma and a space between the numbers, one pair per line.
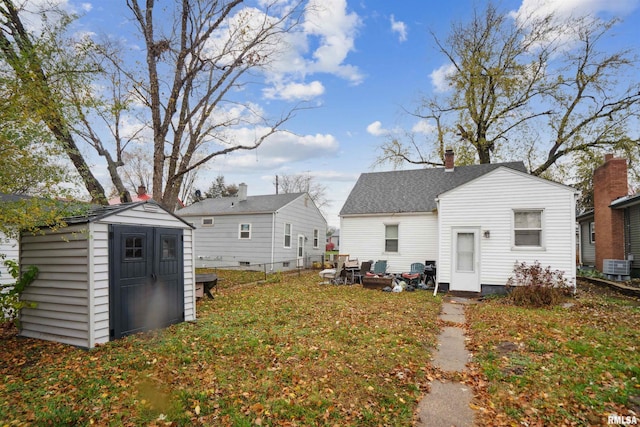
245, 231
592, 232
207, 222
391, 238
316, 238
527, 228
244, 263
287, 235
286, 263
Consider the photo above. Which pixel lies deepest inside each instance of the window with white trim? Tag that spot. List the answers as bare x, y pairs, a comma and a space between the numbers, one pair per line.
527, 228
207, 222
316, 238
287, 235
391, 238
244, 231
592, 232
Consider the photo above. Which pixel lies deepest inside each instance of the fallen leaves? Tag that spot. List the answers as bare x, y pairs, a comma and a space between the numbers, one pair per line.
292, 353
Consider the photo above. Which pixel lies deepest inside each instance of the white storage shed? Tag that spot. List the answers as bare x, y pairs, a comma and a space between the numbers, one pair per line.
116, 271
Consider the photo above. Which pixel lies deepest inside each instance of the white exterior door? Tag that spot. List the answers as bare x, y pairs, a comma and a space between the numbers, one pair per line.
465, 266
300, 253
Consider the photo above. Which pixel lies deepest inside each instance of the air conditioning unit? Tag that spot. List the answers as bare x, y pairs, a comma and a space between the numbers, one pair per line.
617, 269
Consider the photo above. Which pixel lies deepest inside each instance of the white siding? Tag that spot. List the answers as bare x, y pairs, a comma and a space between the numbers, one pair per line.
487, 203
304, 217
363, 237
99, 282
8, 247
61, 290
219, 245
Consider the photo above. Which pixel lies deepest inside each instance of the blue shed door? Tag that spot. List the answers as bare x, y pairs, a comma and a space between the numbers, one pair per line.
146, 283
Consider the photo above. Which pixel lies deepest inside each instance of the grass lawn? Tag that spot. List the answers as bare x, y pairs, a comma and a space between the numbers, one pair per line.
560, 366
288, 353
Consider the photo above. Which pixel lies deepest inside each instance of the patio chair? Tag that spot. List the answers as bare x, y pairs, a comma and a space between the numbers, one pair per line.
380, 267
415, 275
340, 276
365, 267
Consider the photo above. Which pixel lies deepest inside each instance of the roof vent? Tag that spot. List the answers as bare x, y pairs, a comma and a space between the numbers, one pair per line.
616, 269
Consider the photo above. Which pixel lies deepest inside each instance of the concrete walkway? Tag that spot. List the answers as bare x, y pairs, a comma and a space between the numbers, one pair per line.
448, 402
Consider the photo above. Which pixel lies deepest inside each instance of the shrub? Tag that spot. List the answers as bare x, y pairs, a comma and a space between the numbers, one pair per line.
537, 286
10, 302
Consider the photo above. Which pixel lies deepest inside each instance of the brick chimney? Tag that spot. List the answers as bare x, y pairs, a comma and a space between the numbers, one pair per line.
242, 192
448, 160
609, 184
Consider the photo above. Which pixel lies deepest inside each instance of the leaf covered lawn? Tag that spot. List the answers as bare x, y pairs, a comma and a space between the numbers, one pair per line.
560, 366
290, 353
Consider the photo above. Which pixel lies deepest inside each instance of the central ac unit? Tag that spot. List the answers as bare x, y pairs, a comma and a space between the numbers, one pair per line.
616, 267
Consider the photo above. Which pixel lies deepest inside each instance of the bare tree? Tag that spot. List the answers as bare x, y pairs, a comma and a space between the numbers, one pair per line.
304, 183
191, 68
517, 88
185, 102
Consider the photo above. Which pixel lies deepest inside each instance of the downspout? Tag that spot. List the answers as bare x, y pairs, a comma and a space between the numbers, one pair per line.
435, 287
273, 239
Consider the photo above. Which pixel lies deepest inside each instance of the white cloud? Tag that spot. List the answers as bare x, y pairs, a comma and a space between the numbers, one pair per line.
336, 30
376, 129
280, 149
423, 126
439, 77
566, 9
295, 91
400, 28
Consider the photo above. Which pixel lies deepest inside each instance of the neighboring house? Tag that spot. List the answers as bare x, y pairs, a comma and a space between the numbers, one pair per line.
8, 245
612, 229
140, 196
335, 239
116, 271
476, 222
280, 231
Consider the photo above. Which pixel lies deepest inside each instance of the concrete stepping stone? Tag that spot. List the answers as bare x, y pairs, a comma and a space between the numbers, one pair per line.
451, 354
446, 405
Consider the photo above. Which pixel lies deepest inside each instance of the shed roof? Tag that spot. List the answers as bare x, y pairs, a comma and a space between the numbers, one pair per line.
413, 190
96, 213
233, 206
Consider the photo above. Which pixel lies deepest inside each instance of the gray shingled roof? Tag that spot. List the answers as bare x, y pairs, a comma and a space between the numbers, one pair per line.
97, 212
232, 206
411, 190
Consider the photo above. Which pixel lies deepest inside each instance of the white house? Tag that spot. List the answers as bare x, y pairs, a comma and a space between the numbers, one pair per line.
280, 231
116, 271
475, 222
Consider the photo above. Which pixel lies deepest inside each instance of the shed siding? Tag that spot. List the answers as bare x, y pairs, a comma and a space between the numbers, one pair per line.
100, 282
588, 249
488, 203
363, 237
8, 247
304, 217
60, 290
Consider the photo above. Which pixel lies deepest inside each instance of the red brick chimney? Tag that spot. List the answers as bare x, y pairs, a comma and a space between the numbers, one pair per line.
448, 160
609, 184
